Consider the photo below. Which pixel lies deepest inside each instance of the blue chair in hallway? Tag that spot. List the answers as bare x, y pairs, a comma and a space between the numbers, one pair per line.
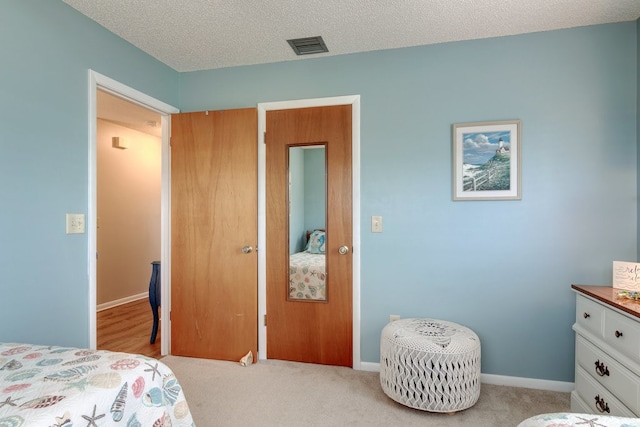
154, 297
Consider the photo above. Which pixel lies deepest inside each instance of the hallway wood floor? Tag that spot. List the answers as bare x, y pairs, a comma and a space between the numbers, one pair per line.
127, 328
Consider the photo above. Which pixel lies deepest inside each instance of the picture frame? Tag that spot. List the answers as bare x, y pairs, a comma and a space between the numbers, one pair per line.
487, 160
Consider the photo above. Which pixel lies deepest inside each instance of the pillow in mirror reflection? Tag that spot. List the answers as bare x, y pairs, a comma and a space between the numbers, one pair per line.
315, 245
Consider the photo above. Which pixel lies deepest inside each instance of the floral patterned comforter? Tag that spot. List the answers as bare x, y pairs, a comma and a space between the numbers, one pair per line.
566, 419
64, 387
307, 276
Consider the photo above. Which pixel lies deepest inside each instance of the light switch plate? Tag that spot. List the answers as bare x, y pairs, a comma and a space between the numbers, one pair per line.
75, 223
376, 224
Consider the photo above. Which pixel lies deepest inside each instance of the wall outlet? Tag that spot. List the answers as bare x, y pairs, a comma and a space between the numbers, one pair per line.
394, 317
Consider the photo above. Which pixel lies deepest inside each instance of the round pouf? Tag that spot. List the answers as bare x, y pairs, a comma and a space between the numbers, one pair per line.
430, 364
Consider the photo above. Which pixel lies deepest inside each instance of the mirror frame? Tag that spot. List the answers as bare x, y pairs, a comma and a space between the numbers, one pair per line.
288, 147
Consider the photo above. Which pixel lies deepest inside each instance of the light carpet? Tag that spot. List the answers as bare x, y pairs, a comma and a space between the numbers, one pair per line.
281, 393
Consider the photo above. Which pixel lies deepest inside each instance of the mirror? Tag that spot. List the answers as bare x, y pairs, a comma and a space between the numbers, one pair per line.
307, 200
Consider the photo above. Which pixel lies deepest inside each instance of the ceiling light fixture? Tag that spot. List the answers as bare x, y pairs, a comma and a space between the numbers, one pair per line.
119, 142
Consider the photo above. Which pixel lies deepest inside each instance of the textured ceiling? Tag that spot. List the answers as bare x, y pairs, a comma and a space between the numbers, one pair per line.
190, 35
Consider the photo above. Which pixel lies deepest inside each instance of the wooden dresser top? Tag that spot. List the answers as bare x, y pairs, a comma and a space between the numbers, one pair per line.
609, 296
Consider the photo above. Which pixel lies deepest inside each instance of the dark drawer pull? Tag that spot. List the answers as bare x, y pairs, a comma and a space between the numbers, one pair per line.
618, 334
586, 315
601, 405
601, 369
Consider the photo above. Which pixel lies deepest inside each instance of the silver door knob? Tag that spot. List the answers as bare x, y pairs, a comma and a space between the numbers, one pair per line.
247, 250
343, 250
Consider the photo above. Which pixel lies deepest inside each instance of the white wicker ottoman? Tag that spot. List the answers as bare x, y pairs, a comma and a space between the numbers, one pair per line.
430, 364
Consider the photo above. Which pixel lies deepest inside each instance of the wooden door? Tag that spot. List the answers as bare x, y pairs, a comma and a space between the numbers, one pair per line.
213, 217
314, 332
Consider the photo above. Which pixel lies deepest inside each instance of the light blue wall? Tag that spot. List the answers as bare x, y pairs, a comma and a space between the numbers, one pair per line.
504, 268
308, 194
46, 51
315, 189
296, 200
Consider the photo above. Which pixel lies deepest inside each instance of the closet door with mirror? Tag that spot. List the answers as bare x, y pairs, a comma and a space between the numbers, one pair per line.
309, 235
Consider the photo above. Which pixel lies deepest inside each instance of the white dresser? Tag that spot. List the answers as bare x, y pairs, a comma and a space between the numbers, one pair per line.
607, 352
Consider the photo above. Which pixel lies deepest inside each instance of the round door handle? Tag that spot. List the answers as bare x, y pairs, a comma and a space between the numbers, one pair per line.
343, 250
247, 250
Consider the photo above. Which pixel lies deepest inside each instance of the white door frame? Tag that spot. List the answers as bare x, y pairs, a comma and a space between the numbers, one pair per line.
99, 81
354, 101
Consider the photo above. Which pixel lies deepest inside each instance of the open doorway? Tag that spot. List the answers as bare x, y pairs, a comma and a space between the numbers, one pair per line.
99, 86
129, 176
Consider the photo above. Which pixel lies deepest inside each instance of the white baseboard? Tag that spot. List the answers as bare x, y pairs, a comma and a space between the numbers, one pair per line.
369, 366
501, 380
121, 301
535, 383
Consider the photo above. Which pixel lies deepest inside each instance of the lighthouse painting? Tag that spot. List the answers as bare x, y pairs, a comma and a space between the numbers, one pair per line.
486, 161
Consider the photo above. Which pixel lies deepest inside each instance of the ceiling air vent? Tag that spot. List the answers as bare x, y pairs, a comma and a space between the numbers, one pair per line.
308, 45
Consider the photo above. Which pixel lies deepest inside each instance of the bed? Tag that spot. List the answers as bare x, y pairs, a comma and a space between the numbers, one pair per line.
52, 386
307, 273
566, 419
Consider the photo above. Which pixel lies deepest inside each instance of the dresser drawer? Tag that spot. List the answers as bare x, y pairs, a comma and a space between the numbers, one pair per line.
609, 373
590, 315
588, 389
623, 334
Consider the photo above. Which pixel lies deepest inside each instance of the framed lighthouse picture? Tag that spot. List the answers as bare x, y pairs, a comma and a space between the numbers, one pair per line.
487, 161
